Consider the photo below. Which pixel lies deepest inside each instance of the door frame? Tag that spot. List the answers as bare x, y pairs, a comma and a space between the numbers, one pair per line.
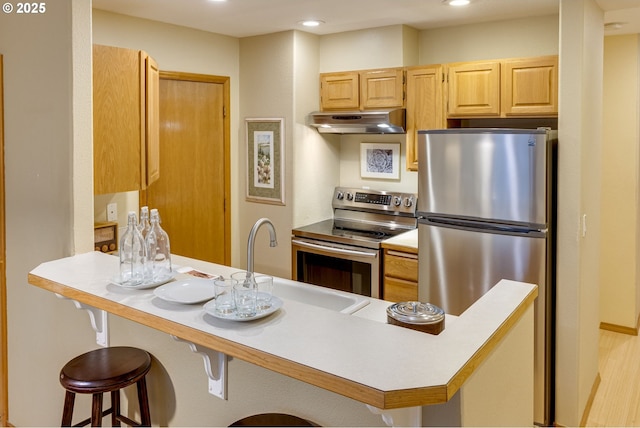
225, 81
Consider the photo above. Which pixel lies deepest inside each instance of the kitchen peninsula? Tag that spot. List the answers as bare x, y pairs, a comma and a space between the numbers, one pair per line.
393, 370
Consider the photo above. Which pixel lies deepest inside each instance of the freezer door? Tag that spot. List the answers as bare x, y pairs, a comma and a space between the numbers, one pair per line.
457, 266
499, 174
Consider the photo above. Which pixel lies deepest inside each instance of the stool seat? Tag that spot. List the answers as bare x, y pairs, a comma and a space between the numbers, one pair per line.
106, 370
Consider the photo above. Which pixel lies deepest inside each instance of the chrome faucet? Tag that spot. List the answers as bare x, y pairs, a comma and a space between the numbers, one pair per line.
252, 238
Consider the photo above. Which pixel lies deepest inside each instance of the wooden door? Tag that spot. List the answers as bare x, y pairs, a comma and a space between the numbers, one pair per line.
193, 189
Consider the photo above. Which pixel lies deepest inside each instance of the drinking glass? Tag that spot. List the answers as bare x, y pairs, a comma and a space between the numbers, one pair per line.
264, 285
242, 276
245, 294
223, 289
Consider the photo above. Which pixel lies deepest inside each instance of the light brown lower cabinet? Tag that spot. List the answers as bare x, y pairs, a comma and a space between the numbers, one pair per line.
400, 282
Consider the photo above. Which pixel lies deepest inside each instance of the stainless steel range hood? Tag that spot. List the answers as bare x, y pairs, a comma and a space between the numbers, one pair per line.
391, 121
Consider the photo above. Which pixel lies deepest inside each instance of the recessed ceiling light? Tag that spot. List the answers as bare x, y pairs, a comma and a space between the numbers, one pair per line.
457, 2
614, 25
311, 22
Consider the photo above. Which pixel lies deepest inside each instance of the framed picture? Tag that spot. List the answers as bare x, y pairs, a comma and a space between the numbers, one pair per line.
380, 160
265, 160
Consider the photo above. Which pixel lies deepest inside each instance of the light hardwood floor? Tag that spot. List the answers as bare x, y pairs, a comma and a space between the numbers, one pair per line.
617, 401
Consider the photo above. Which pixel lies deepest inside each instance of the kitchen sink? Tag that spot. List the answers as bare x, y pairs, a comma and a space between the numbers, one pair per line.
318, 296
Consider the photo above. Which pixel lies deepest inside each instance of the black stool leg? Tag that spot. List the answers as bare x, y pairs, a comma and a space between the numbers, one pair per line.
96, 410
67, 412
115, 408
143, 399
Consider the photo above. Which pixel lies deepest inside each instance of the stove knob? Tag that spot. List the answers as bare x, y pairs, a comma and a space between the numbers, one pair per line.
339, 195
397, 201
408, 202
349, 196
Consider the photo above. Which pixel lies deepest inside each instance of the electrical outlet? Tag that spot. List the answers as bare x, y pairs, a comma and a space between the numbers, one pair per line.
112, 212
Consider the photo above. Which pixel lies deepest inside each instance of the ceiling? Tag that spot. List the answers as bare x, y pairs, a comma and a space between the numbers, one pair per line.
243, 18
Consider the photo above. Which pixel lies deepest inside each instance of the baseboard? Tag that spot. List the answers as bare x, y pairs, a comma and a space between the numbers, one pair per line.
592, 395
632, 331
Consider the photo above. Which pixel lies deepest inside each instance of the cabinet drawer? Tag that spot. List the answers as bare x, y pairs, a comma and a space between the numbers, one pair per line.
399, 290
400, 265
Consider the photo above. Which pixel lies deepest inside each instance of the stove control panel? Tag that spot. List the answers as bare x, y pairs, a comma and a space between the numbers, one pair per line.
379, 200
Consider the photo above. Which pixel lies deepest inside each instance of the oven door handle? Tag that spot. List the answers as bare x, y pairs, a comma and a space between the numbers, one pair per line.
334, 249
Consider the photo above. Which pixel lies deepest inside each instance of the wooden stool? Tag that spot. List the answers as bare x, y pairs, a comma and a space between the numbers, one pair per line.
106, 370
273, 420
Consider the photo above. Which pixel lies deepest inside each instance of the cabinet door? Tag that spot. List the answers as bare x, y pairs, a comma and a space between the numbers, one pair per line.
117, 119
424, 106
530, 87
340, 91
474, 89
382, 88
151, 165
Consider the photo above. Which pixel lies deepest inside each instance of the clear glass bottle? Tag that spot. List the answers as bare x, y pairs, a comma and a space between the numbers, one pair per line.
143, 225
132, 254
158, 250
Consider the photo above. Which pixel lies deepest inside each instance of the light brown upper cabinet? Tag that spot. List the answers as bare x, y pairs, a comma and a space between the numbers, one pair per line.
523, 87
362, 90
125, 120
474, 89
340, 91
382, 88
530, 86
424, 106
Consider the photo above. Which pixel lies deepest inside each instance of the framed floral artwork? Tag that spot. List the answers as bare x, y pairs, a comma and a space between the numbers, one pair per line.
265, 160
380, 160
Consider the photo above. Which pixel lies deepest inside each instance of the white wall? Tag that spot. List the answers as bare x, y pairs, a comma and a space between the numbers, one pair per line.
377, 48
48, 195
266, 75
499, 39
316, 160
620, 169
579, 136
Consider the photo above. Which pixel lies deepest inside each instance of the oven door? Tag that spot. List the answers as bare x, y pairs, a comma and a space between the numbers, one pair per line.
338, 266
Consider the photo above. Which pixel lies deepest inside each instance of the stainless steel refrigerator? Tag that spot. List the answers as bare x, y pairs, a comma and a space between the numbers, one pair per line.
485, 213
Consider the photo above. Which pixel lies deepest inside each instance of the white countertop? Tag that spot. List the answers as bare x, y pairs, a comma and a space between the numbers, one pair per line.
359, 355
408, 240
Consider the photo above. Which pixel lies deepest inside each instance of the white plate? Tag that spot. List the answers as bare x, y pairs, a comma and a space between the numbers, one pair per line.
144, 286
210, 308
192, 290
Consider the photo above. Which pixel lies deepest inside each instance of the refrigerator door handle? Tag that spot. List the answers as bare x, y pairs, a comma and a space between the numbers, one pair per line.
479, 225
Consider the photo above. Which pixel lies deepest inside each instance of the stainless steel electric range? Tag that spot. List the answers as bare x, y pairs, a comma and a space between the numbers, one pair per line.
345, 252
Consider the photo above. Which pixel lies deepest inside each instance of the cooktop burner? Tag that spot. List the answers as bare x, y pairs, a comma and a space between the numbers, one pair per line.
327, 231
364, 217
